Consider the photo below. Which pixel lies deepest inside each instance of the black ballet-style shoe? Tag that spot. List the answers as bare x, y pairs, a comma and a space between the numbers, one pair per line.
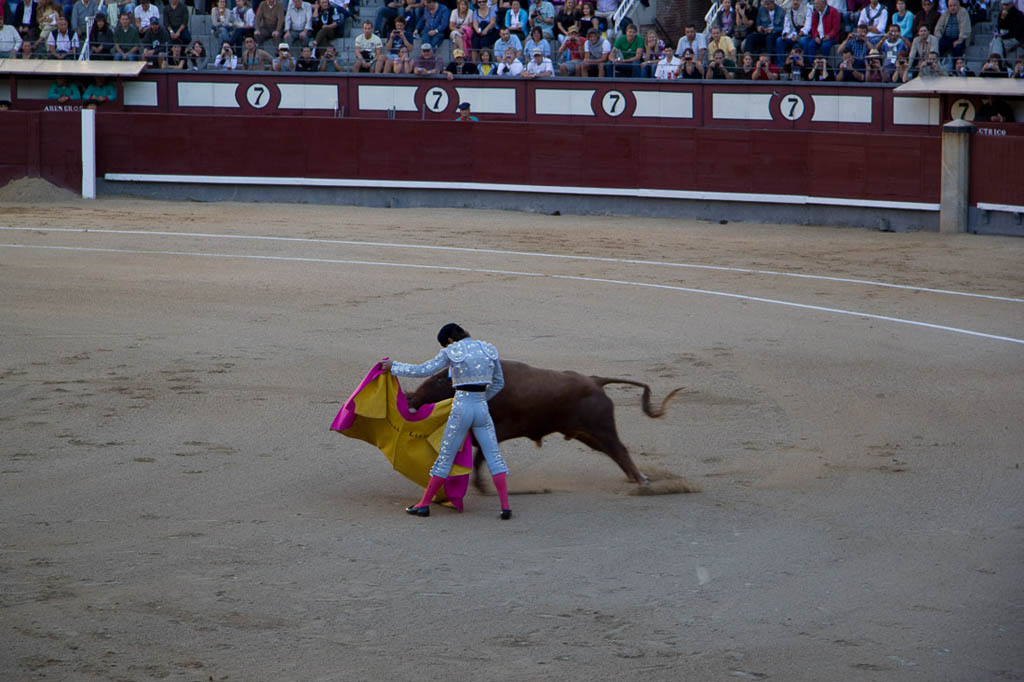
418, 511
506, 514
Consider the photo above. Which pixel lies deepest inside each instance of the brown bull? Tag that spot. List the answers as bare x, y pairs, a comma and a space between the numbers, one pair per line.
537, 402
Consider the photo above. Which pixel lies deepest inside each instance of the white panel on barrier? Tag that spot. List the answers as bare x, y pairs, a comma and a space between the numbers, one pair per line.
140, 94
564, 102
489, 100
741, 106
915, 111
305, 96
384, 97
842, 108
221, 95
657, 104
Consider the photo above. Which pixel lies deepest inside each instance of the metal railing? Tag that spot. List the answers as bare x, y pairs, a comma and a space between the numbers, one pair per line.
620, 13
710, 16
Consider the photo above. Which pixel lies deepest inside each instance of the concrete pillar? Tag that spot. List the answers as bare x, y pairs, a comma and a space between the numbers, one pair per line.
88, 153
956, 175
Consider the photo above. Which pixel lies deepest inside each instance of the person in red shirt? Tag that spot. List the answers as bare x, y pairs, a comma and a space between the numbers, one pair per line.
821, 30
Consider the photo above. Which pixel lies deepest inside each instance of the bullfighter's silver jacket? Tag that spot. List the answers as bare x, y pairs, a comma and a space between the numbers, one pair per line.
471, 361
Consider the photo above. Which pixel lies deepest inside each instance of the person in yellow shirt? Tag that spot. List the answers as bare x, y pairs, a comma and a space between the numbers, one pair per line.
720, 41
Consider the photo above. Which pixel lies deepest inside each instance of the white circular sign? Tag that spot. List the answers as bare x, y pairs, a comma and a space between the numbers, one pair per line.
258, 95
792, 107
613, 103
962, 109
437, 99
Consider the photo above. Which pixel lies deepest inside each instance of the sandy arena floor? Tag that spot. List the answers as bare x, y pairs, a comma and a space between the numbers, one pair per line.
173, 506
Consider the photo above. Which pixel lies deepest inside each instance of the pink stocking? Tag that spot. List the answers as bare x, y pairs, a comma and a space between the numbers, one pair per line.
501, 485
432, 487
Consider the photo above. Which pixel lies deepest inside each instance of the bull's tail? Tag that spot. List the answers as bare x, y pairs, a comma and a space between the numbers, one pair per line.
645, 399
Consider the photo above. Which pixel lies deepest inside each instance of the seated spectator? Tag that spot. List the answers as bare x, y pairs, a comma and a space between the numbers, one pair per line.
226, 59
175, 20
101, 91
62, 43
307, 62
329, 62
269, 21
243, 19
858, 44
517, 20
1009, 30
327, 24
197, 57
821, 30
101, 38
253, 58
542, 15
923, 45
486, 65
630, 51
892, 47
460, 27
566, 18
993, 67
904, 20
47, 14
795, 67
507, 40
220, 21
931, 66
953, 30
145, 13
927, 17
717, 70
725, 20
693, 41
960, 69
589, 20
82, 10
848, 70
902, 72
154, 43
459, 66
572, 50
796, 17
720, 41
1018, 69
745, 72
509, 65
284, 61
539, 66
433, 24
369, 50
24, 22
127, 42
669, 64
428, 63
765, 69
399, 37
691, 69
387, 12
298, 23
10, 40
604, 10
654, 48
596, 52
485, 27
745, 15
537, 41
63, 91
876, 18
174, 59
768, 27
994, 110
873, 71
849, 13
820, 73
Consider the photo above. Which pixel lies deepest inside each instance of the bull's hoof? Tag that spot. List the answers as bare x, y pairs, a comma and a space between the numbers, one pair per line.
643, 480
418, 511
506, 514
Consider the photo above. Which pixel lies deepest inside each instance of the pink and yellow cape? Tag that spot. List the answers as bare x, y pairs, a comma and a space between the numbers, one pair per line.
379, 414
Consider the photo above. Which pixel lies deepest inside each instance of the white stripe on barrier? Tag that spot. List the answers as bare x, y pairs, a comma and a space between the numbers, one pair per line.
1002, 208
669, 287
645, 193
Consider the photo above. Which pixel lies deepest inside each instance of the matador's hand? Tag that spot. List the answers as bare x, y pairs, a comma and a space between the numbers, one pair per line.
385, 365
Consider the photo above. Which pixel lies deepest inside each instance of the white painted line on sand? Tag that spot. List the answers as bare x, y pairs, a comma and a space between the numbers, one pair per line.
530, 254
331, 261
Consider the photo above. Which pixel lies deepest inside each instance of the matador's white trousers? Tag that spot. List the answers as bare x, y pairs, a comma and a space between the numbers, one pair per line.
469, 411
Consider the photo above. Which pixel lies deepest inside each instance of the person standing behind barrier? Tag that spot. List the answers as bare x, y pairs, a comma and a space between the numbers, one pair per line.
821, 30
477, 377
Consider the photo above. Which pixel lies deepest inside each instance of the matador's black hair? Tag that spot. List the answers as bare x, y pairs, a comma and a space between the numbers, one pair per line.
451, 331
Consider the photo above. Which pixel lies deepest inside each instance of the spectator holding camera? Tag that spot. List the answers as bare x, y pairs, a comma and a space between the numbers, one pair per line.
892, 47
226, 59
931, 66
369, 49
542, 15
902, 72
398, 38
924, 44
792, 28
819, 72
873, 72
717, 69
329, 62
848, 72
858, 44
691, 69
795, 65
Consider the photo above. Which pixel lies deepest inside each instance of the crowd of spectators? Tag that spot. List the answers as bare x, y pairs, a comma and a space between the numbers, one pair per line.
819, 40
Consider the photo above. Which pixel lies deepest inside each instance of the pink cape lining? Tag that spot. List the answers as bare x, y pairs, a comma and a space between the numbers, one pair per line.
455, 487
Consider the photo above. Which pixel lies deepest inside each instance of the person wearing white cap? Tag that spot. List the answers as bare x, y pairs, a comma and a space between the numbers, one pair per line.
284, 61
539, 66
428, 63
